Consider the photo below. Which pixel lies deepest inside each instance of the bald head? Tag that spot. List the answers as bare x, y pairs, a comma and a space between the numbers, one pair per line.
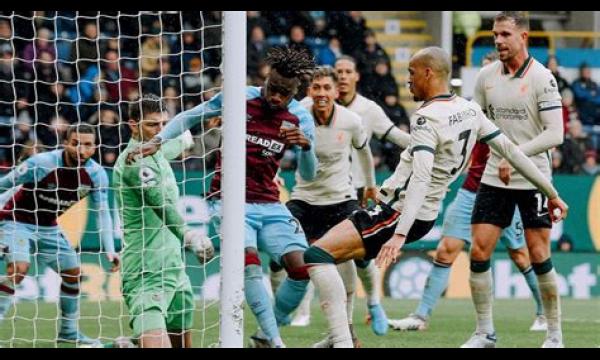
435, 58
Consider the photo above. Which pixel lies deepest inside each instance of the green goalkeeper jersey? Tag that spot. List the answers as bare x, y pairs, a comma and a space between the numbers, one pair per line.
153, 230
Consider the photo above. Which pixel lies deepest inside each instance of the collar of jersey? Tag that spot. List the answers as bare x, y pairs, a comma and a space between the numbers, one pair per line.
349, 102
443, 97
329, 121
522, 70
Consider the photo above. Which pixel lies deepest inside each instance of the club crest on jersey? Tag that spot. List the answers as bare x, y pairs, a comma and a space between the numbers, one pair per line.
269, 144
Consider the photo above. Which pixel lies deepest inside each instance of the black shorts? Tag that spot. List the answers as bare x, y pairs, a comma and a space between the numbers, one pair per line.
377, 224
316, 220
494, 205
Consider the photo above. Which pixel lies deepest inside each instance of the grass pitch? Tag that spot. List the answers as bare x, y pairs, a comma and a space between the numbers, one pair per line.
35, 324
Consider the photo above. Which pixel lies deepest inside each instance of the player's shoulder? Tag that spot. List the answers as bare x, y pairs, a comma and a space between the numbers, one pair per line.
347, 116
252, 92
47, 159
300, 111
539, 72
492, 69
366, 103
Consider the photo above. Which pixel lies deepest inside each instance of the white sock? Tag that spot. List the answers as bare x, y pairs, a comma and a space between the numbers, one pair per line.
331, 290
551, 302
369, 277
481, 293
347, 271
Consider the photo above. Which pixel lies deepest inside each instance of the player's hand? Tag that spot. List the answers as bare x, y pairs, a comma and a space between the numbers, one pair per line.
144, 150
115, 260
294, 136
369, 193
504, 170
390, 250
558, 209
200, 244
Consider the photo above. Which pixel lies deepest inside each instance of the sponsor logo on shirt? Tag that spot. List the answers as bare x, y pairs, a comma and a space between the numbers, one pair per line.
497, 113
269, 144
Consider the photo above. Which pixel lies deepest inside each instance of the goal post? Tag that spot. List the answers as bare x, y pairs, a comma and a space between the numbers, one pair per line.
233, 185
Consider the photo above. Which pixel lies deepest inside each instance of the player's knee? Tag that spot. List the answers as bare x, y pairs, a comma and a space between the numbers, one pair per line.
446, 254
19, 272
543, 267
275, 267
298, 273
538, 253
71, 276
480, 266
316, 255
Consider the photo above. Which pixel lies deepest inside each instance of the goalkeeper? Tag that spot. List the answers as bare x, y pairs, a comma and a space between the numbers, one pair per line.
155, 287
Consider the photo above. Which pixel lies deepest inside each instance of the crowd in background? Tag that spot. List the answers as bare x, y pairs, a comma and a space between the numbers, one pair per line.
58, 69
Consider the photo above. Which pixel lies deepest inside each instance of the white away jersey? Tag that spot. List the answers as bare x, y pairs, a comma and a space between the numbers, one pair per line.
447, 126
375, 122
514, 104
334, 142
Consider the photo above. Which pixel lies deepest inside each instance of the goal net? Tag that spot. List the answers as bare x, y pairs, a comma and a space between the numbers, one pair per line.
61, 68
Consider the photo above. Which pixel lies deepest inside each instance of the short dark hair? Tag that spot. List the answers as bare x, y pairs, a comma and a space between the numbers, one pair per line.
148, 104
520, 18
325, 71
347, 58
80, 128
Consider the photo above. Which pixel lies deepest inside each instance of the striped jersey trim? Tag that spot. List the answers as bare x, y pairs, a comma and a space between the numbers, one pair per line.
489, 137
422, 148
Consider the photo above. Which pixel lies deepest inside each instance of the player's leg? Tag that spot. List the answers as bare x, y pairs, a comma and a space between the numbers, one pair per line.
537, 224
276, 275
15, 239
456, 230
57, 253
370, 278
513, 238
147, 302
493, 211
447, 251
180, 315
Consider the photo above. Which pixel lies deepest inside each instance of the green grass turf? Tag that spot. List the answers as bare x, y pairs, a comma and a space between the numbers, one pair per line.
35, 325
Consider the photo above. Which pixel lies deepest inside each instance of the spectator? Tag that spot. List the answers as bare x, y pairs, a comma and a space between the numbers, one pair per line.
297, 39
120, 82
195, 81
85, 50
52, 135
254, 19
350, 29
465, 25
153, 47
374, 86
557, 162
369, 54
257, 49
191, 48
320, 24
109, 135
574, 148
329, 54
590, 166
166, 79
396, 112
64, 107
172, 101
587, 100
568, 107
33, 50
564, 244
552, 65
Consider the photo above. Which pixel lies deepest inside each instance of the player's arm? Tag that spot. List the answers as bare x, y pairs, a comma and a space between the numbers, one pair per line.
360, 142
104, 223
385, 130
305, 151
424, 141
178, 125
172, 149
24, 173
491, 135
155, 197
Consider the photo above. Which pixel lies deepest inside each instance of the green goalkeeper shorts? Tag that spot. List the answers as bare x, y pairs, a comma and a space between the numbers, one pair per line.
160, 305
